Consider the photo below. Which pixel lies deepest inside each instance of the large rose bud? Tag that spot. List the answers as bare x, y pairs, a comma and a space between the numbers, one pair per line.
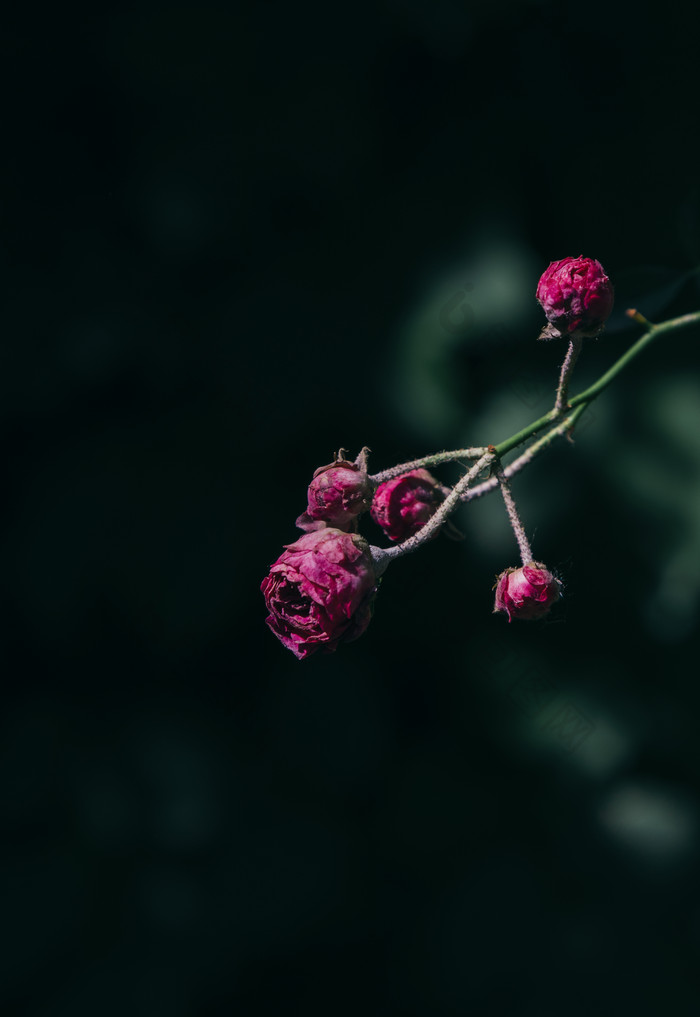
337, 495
320, 591
527, 592
403, 505
576, 296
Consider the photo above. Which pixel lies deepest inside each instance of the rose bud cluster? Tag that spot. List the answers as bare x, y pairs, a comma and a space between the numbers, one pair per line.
403, 505
576, 297
527, 593
320, 591
337, 495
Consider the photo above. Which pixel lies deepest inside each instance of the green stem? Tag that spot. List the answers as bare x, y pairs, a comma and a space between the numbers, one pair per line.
586, 397
523, 460
559, 420
653, 332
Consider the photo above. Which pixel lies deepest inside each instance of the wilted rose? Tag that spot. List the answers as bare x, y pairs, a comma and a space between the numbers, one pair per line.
337, 495
320, 590
576, 296
527, 592
403, 505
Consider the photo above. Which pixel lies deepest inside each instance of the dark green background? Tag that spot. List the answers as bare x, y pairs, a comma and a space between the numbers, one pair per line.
226, 235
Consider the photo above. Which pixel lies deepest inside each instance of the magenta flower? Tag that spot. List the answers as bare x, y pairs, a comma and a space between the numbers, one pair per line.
576, 296
319, 591
337, 495
527, 592
403, 505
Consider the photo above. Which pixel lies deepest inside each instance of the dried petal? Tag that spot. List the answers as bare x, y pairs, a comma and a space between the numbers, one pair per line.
576, 296
403, 505
528, 592
320, 590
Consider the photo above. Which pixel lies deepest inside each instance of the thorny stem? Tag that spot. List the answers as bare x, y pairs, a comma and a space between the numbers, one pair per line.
554, 416
652, 333
578, 404
575, 344
593, 391
518, 530
537, 446
383, 556
433, 460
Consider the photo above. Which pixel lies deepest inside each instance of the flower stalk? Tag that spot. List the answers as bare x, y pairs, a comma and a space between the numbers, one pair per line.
565, 427
518, 529
437, 459
562, 419
586, 397
575, 345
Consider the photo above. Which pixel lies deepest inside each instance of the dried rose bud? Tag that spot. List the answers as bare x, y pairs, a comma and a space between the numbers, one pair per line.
403, 505
527, 592
320, 590
337, 495
576, 296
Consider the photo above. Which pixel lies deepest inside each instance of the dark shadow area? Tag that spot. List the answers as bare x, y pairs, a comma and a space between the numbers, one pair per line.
233, 241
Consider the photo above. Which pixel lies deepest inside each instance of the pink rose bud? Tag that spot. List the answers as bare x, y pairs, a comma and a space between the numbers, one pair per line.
320, 590
403, 505
576, 296
527, 592
337, 495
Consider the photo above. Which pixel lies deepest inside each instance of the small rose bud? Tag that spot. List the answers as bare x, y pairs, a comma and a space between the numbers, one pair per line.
527, 592
320, 590
403, 505
576, 296
337, 495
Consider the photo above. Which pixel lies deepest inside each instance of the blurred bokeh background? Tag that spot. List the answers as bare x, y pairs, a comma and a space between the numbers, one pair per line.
235, 239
